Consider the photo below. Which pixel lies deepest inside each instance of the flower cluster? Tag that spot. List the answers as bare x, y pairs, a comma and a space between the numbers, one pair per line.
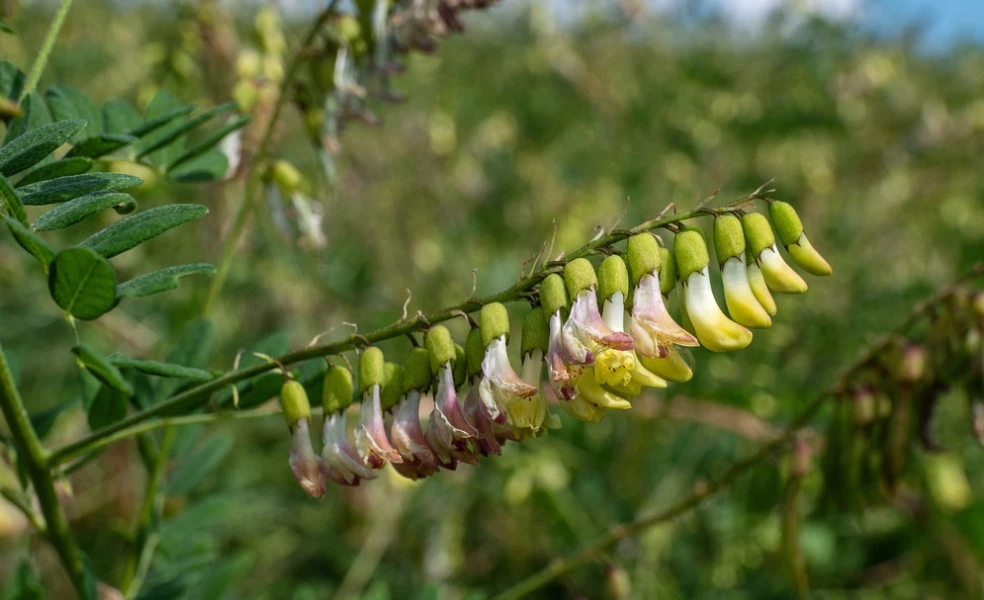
604, 335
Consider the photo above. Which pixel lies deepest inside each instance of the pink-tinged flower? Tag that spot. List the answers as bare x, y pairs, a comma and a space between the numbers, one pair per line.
303, 461
339, 459
370, 434
654, 332
448, 432
408, 439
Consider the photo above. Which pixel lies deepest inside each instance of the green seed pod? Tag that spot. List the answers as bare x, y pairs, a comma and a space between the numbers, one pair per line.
417, 374
460, 366
475, 352
553, 294
758, 233
612, 277
392, 385
440, 347
372, 369
644, 256
336, 394
294, 402
729, 238
286, 176
667, 271
579, 275
690, 250
494, 321
536, 334
787, 223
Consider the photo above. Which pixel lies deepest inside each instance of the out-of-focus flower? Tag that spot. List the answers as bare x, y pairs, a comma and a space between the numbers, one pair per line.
790, 230
339, 460
729, 243
779, 276
303, 461
370, 436
406, 433
715, 331
448, 432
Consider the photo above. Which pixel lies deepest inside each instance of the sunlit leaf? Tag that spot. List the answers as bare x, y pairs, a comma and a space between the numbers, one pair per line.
32, 147
63, 189
83, 207
137, 229
162, 280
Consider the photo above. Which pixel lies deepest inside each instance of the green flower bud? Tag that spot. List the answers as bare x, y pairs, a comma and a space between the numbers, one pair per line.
612, 277
286, 176
392, 385
417, 374
579, 275
643, 253
440, 347
536, 333
460, 366
667, 271
786, 222
758, 233
729, 238
372, 369
294, 403
494, 321
336, 394
690, 250
553, 294
475, 352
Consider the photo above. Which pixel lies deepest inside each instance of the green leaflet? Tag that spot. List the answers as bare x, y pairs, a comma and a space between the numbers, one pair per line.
120, 117
34, 114
67, 102
160, 369
100, 145
62, 189
208, 143
83, 207
31, 242
162, 280
59, 168
10, 201
137, 229
32, 147
181, 129
102, 369
82, 283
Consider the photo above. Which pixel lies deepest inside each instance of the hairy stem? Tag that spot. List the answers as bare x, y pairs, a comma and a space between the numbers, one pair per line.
36, 463
46, 47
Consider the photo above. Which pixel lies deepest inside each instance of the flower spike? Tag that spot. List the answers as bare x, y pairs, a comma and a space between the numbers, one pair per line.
790, 230
779, 276
729, 243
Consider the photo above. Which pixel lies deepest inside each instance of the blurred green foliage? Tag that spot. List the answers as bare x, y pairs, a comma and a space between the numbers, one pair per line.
522, 123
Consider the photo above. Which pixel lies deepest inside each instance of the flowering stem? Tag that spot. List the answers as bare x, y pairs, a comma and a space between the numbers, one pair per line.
46, 47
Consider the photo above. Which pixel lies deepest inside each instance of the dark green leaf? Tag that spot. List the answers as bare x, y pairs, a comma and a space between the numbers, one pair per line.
195, 466
161, 281
11, 80
120, 117
83, 207
210, 166
45, 420
23, 583
165, 590
10, 201
30, 241
82, 283
67, 102
108, 407
6, 28
161, 369
173, 134
32, 147
34, 114
208, 143
63, 189
137, 229
58, 168
100, 145
193, 349
102, 369
159, 118
163, 106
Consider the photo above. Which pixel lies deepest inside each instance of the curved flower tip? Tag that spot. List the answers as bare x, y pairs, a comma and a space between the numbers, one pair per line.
779, 276
806, 256
370, 437
653, 329
304, 462
408, 439
339, 460
757, 282
715, 331
587, 327
743, 306
675, 366
448, 431
593, 392
559, 372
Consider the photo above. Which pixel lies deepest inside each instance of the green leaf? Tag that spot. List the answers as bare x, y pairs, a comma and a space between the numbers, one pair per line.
63, 189
164, 107
208, 143
100, 145
162, 280
32, 147
30, 241
34, 114
173, 134
11, 80
58, 168
7, 28
193, 349
67, 102
208, 167
161, 369
10, 201
23, 584
120, 117
102, 369
83, 283
45, 420
195, 466
83, 207
133, 231
158, 115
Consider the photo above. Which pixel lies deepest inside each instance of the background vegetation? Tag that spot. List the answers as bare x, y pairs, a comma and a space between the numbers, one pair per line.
525, 121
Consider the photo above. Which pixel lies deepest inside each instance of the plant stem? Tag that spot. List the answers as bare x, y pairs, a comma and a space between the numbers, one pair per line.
23, 504
46, 47
35, 460
262, 153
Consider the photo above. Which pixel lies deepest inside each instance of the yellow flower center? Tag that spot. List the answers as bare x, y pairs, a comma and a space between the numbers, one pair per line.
614, 367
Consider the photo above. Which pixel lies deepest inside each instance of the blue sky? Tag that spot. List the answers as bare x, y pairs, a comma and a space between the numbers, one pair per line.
943, 21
